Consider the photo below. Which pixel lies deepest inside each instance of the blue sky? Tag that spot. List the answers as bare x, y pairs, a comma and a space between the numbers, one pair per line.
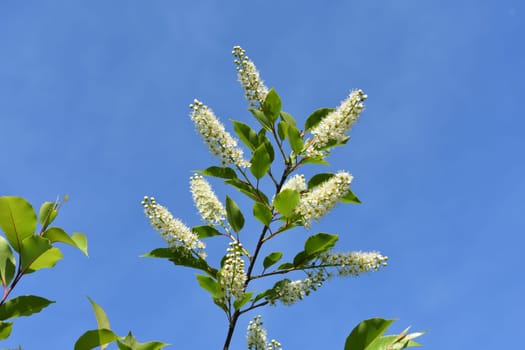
94, 103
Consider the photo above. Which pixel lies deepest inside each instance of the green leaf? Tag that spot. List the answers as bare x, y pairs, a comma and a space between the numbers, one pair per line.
391, 342
48, 213
260, 161
210, 284
205, 231
271, 259
17, 220
318, 179
56, 234
130, 343
24, 305
217, 171
285, 266
5, 330
248, 190
350, 197
96, 337
262, 118
295, 138
238, 303
288, 119
234, 214
316, 117
180, 256
282, 130
286, 201
247, 135
32, 248
315, 160
81, 242
262, 213
320, 243
100, 315
7, 262
272, 106
48, 259
269, 148
261, 295
365, 333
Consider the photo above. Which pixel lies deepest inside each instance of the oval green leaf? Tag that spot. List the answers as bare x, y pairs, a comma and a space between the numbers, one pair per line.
94, 338
48, 259
17, 220
247, 135
217, 171
205, 231
350, 197
286, 201
272, 106
319, 243
32, 248
318, 179
295, 138
262, 213
24, 305
316, 117
271, 259
5, 330
234, 214
260, 162
48, 212
365, 333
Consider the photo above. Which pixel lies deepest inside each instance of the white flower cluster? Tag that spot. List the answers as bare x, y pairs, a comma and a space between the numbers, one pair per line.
336, 124
321, 199
254, 89
256, 337
296, 183
219, 141
354, 263
232, 276
289, 292
171, 229
209, 206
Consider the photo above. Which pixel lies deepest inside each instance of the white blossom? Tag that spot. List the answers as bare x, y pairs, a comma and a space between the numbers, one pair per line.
232, 276
256, 337
207, 203
296, 183
354, 263
336, 124
219, 141
171, 229
289, 292
254, 89
319, 200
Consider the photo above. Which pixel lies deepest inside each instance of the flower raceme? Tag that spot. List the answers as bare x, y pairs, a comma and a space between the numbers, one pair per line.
256, 337
336, 124
219, 141
232, 276
254, 89
210, 208
315, 203
174, 232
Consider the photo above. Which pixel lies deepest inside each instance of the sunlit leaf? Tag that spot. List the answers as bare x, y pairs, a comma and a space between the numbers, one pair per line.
181, 256
32, 248
286, 201
5, 330
247, 135
272, 106
94, 338
24, 305
316, 117
365, 333
7, 262
260, 162
17, 220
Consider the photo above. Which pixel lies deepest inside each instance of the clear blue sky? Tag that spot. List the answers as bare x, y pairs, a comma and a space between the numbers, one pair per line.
94, 103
